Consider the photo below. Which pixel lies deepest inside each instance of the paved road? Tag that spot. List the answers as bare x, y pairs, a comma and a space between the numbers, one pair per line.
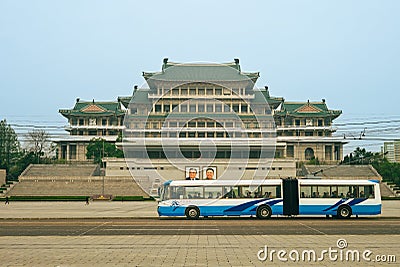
131, 234
231, 226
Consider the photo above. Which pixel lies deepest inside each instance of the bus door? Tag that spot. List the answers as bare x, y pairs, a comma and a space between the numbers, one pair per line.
290, 197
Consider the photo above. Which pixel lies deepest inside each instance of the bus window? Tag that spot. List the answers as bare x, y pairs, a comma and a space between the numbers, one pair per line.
325, 191
213, 192
278, 191
270, 191
305, 191
314, 192
245, 192
368, 191
173, 192
194, 192
230, 192
235, 191
334, 191
342, 191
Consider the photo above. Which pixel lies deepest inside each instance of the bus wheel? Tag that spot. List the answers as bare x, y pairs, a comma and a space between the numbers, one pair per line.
192, 212
344, 212
264, 212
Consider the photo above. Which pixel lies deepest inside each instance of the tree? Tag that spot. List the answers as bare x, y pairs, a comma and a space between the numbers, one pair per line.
390, 171
99, 148
39, 143
361, 157
10, 148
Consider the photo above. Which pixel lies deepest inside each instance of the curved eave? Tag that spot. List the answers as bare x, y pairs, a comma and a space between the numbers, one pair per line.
94, 114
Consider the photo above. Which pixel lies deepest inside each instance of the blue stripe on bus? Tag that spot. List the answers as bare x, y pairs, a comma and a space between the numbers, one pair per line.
245, 205
356, 201
324, 210
270, 203
336, 204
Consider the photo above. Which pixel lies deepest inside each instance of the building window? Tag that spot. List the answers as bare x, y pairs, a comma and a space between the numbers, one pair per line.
243, 109
184, 108
297, 122
218, 91
210, 108
309, 153
290, 151
235, 108
320, 122
201, 108
166, 108
81, 122
192, 108
201, 124
92, 122
218, 108
210, 92
220, 134
210, 134
104, 122
309, 133
92, 132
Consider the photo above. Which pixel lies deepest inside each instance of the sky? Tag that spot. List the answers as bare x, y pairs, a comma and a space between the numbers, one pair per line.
344, 51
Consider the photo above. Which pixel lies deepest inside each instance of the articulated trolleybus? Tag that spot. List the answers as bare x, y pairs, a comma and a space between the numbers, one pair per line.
263, 198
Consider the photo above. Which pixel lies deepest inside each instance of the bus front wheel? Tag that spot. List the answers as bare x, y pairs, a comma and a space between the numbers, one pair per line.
344, 212
192, 212
264, 212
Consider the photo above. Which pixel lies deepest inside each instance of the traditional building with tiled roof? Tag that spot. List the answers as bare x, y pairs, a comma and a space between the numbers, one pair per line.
226, 105
88, 120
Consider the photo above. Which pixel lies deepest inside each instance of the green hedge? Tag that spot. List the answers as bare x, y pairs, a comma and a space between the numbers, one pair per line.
47, 198
72, 198
131, 198
390, 198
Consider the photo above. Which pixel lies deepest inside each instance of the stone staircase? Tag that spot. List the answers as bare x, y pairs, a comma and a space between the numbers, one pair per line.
393, 187
5, 188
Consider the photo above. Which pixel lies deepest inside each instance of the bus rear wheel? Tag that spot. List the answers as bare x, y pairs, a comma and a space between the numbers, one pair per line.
264, 212
192, 213
344, 212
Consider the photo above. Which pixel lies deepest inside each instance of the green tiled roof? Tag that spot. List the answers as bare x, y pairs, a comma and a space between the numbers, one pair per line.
87, 108
307, 109
201, 72
141, 96
260, 96
125, 100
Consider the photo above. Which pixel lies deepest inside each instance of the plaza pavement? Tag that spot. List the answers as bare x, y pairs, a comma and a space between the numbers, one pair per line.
179, 250
112, 209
